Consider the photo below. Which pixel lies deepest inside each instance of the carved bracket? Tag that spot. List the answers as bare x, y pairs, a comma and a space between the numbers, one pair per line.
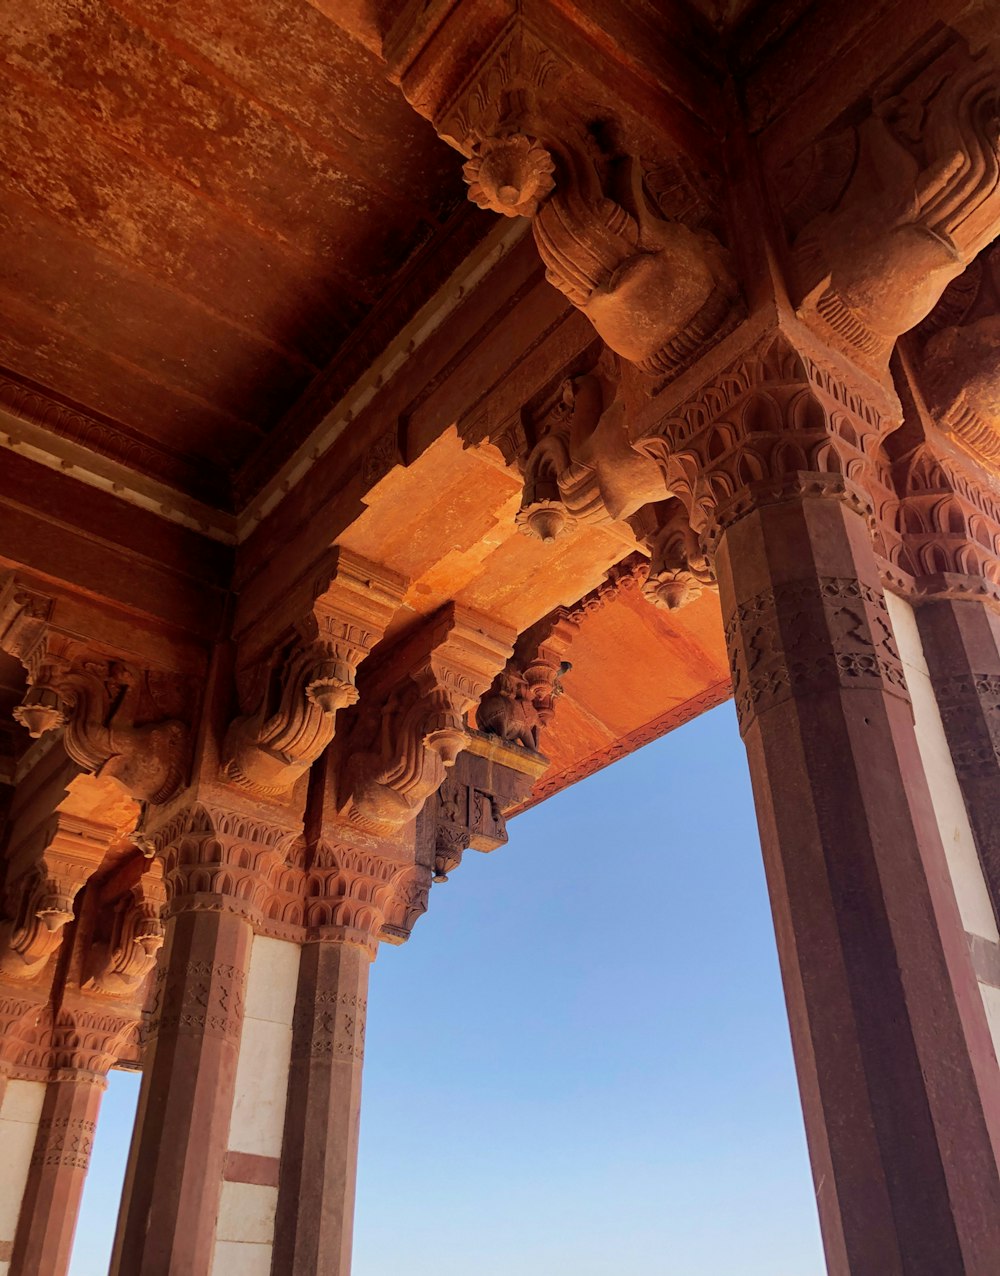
411, 725
120, 720
656, 287
130, 932
521, 702
895, 208
583, 468
293, 683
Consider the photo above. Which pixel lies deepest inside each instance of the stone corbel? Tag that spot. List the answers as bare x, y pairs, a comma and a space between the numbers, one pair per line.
656, 288
294, 682
955, 356
130, 930
115, 715
42, 890
895, 208
412, 717
470, 808
583, 468
521, 702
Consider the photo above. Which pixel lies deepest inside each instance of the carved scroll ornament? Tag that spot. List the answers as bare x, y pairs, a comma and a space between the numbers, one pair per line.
521, 702
411, 725
293, 687
918, 197
679, 569
118, 963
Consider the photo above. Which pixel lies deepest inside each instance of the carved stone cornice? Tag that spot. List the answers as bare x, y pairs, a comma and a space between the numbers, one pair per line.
120, 719
411, 722
654, 280
294, 679
885, 213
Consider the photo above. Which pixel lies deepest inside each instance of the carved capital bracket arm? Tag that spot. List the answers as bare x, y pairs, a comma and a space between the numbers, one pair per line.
521, 701
649, 272
411, 721
884, 213
121, 719
294, 678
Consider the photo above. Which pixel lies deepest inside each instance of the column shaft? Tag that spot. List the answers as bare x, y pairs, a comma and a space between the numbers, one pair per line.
51, 1203
961, 641
899, 1083
176, 1164
314, 1225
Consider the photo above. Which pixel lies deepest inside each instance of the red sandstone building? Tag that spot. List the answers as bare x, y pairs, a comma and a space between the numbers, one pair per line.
316, 477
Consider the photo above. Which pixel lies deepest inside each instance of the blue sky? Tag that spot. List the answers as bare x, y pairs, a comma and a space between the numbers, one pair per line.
580, 1061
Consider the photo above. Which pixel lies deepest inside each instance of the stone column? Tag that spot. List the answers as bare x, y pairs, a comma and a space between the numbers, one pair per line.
175, 1169
961, 641
215, 860
899, 1082
314, 1225
56, 1175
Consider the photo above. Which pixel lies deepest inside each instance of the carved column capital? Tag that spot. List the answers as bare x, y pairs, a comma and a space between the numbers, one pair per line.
947, 495
784, 419
222, 854
294, 676
411, 723
359, 895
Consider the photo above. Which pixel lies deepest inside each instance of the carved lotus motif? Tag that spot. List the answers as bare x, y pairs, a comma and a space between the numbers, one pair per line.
545, 520
41, 711
511, 175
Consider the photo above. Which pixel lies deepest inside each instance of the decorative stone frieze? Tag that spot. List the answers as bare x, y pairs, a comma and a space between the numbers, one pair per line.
411, 723
886, 212
293, 678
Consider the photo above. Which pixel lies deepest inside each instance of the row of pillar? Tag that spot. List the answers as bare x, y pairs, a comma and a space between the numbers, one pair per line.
246, 1137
